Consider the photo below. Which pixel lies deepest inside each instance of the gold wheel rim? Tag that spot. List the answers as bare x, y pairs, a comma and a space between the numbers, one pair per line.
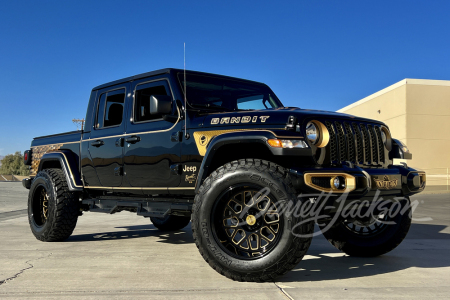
251, 222
44, 204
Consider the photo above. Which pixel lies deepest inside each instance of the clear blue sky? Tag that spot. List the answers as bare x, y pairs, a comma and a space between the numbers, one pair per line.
314, 54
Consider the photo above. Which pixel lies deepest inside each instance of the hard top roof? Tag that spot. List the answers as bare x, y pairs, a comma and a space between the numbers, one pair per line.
164, 71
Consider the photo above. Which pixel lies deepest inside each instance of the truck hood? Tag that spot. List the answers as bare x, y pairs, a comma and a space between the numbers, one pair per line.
276, 116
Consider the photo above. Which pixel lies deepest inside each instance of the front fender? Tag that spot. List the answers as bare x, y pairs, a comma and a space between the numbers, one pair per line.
244, 137
68, 164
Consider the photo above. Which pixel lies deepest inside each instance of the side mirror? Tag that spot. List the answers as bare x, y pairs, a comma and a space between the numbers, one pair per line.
160, 105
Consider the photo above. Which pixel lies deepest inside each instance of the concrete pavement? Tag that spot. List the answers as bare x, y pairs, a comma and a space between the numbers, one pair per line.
125, 256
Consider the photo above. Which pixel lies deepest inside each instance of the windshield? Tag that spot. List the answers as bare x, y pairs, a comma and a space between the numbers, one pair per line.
227, 94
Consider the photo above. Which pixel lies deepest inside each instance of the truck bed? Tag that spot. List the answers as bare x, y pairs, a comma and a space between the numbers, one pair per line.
60, 138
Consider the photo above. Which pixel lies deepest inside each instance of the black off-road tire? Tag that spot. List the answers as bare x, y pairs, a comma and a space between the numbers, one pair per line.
62, 207
170, 223
293, 241
385, 241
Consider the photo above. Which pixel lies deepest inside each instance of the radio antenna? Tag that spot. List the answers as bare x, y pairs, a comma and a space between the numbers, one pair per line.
186, 135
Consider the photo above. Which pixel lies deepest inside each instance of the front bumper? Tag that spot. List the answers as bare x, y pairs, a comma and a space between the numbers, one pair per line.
393, 181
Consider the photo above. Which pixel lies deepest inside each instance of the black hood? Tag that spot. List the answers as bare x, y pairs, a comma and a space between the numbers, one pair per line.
276, 116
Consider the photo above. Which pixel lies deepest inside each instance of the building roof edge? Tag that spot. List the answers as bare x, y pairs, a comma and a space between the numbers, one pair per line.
394, 86
374, 95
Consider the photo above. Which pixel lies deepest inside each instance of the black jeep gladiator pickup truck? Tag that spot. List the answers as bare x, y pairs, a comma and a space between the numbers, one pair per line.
224, 152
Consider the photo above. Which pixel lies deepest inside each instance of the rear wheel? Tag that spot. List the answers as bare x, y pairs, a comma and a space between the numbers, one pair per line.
376, 236
170, 223
239, 225
52, 208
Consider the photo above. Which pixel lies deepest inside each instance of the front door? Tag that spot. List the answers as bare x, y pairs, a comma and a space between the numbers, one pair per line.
152, 149
105, 144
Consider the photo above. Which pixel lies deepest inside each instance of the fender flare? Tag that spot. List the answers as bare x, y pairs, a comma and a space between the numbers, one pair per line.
397, 150
241, 137
68, 164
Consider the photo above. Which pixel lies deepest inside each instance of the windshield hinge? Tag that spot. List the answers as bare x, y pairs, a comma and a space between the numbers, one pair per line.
292, 124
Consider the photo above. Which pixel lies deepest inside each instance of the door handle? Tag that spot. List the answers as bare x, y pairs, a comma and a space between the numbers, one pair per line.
133, 139
97, 143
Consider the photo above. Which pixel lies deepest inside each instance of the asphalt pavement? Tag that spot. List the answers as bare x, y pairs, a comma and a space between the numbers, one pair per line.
125, 256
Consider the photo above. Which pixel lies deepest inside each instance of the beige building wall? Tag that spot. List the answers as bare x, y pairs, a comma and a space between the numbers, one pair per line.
417, 112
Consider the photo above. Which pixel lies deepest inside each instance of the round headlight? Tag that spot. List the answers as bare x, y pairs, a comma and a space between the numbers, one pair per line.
312, 132
317, 133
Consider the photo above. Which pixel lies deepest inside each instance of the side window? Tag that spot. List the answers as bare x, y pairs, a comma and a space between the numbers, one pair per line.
142, 99
110, 109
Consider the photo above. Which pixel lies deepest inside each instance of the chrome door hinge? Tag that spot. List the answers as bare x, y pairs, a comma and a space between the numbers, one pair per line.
118, 171
176, 136
175, 169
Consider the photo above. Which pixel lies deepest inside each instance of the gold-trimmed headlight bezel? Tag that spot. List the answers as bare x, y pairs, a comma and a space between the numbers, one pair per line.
323, 136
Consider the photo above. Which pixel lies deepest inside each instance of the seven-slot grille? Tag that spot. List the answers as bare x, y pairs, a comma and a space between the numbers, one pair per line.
359, 143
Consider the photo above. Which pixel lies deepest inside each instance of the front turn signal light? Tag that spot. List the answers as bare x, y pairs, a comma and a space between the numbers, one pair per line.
276, 143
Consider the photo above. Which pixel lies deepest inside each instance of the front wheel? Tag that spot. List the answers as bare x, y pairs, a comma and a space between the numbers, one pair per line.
376, 236
241, 224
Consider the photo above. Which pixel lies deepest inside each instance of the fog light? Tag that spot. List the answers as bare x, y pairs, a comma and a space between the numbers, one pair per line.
339, 183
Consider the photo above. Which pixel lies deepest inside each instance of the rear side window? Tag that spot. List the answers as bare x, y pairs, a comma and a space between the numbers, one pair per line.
142, 99
110, 109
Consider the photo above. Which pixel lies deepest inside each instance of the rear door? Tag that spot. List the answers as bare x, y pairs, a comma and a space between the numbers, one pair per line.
152, 149
106, 140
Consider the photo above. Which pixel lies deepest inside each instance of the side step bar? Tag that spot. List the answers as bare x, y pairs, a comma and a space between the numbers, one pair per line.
142, 208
